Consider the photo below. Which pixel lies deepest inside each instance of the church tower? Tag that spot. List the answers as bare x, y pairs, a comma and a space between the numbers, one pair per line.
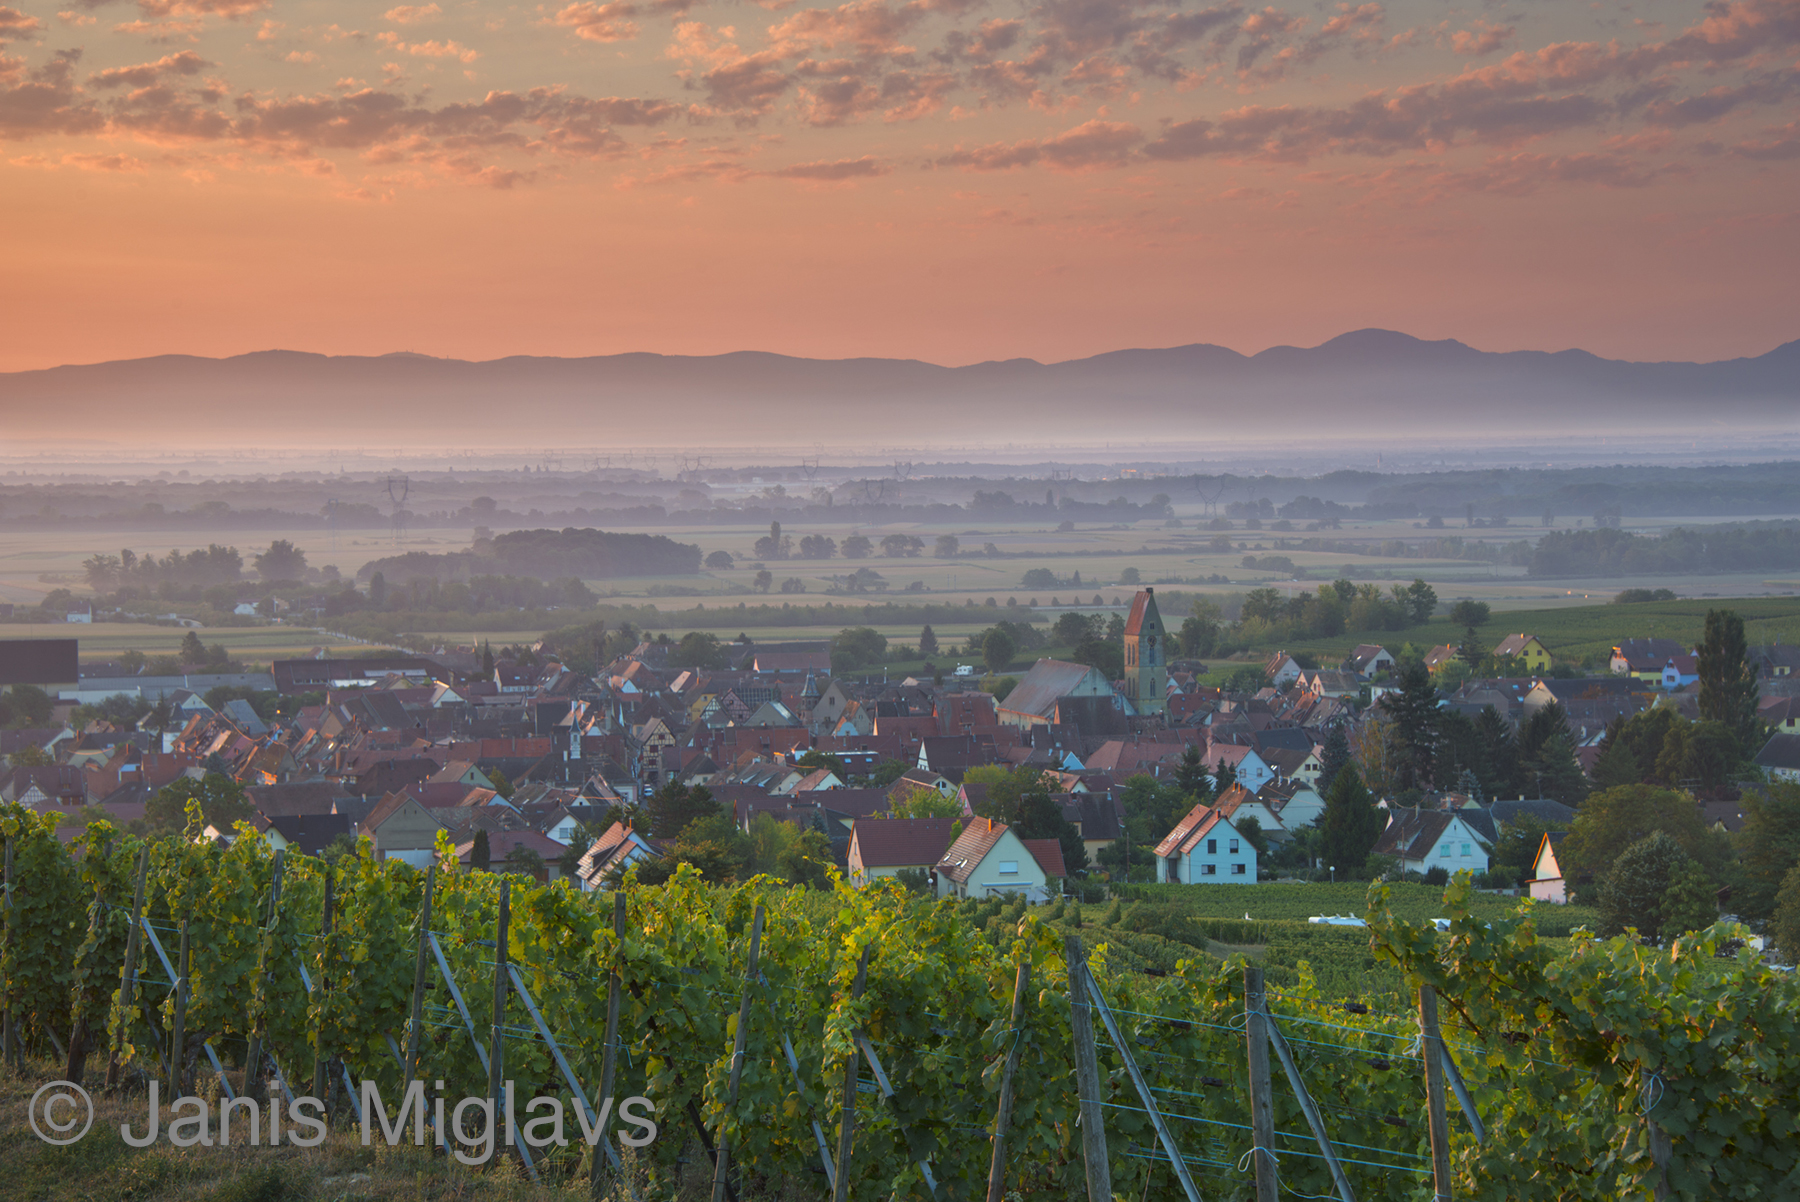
1146, 667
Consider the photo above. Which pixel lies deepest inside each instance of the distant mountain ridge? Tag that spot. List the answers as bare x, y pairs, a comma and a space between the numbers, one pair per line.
1367, 381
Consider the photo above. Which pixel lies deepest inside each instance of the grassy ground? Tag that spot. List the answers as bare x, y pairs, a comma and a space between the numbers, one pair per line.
102, 1168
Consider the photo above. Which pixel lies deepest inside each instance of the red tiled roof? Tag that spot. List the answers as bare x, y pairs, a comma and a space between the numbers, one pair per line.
901, 842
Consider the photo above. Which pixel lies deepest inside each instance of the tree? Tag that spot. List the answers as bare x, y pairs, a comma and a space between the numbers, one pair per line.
720, 561
481, 856
502, 786
1351, 823
1616, 765
997, 650
1785, 926
1518, 845
926, 802
282, 561
793, 584
1727, 682
1420, 599
946, 546
857, 647
1251, 830
698, 649
1608, 822
1558, 773
1414, 710
772, 545
26, 706
1690, 903
818, 546
674, 806
1769, 847
762, 580
1469, 613
901, 546
1200, 629
1656, 888
1130, 576
193, 651
1337, 755
1191, 776
928, 643
487, 659
857, 546
221, 801
1101, 654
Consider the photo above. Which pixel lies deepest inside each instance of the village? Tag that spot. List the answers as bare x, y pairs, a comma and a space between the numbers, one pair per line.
1062, 784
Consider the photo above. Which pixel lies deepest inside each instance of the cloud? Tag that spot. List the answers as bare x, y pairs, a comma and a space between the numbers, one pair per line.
1523, 174
15, 24
870, 27
430, 49
1781, 144
600, 22
413, 14
1090, 146
229, 9
837, 170
43, 100
1483, 39
144, 74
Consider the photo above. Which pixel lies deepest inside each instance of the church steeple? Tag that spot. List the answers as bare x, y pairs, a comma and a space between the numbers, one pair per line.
1146, 670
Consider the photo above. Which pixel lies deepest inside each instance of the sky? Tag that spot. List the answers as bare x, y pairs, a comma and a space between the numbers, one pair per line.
950, 180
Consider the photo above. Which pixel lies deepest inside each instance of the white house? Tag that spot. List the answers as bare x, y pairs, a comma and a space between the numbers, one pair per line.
1370, 660
1238, 803
1295, 803
611, 854
1425, 839
1248, 768
1547, 883
1282, 670
885, 846
987, 859
1205, 849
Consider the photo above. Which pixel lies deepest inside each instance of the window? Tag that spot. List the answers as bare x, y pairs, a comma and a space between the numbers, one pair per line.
1465, 849
1234, 847
1209, 870
1009, 867
1237, 869
1212, 847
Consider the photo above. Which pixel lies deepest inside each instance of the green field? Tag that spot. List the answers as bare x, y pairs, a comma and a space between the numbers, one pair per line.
252, 644
1583, 632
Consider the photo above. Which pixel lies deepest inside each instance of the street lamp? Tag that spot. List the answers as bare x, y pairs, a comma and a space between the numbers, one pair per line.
1334, 874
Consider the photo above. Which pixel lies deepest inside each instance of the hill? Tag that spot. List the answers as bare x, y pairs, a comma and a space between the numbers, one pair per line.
1366, 383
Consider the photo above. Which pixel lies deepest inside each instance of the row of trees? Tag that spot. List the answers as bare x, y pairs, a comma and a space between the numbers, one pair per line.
776, 545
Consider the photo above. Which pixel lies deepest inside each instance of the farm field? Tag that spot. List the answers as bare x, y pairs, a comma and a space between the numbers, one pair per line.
252, 644
34, 562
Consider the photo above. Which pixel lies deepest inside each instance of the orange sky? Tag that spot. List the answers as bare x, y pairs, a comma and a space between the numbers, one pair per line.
952, 180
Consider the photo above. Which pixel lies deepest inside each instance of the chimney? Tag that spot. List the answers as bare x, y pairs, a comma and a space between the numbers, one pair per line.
990, 824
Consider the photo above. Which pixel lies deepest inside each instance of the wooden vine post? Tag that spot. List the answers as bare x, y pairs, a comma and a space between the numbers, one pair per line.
416, 1019
996, 1190
76, 1066
178, 1033
1087, 1075
128, 978
8, 1036
1262, 1093
840, 1189
253, 1075
721, 1161
321, 1079
1431, 1047
609, 1058
497, 1037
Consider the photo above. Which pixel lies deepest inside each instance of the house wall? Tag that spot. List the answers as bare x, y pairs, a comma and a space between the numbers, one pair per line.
1549, 891
410, 828
987, 875
1457, 848
1228, 867
1303, 809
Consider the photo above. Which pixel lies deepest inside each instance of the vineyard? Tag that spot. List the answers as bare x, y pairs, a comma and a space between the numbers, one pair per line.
867, 1044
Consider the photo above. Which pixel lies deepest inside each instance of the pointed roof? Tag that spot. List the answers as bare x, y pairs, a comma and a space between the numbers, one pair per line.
1143, 606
